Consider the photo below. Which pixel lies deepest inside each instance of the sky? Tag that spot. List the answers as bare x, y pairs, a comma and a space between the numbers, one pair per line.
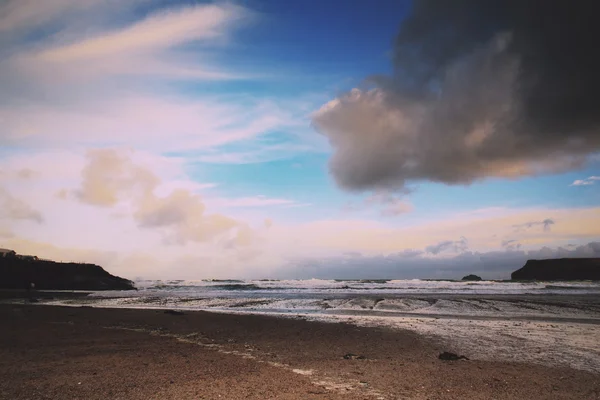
271, 139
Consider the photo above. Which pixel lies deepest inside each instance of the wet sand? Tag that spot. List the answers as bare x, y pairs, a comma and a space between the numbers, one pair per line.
49, 352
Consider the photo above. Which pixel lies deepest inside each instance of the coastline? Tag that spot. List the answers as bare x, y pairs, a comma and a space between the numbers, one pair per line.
131, 353
554, 330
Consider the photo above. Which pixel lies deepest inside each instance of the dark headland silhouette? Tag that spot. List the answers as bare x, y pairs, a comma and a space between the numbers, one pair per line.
20, 272
562, 269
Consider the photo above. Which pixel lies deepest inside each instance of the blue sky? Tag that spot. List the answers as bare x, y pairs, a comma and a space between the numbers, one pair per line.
225, 137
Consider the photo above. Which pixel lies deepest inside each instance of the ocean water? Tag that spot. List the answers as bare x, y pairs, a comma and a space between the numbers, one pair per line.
361, 297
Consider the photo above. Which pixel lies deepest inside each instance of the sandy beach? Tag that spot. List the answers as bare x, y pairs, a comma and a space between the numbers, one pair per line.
49, 352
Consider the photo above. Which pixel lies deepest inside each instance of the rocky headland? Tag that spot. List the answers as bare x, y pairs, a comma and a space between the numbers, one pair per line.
20, 272
563, 269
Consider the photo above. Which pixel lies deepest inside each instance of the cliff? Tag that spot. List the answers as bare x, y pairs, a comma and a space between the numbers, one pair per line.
17, 272
563, 269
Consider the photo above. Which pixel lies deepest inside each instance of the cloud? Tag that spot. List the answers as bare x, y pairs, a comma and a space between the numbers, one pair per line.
546, 223
489, 265
264, 153
109, 174
26, 173
183, 216
6, 233
511, 244
586, 182
391, 205
254, 201
107, 73
158, 31
147, 45
408, 253
18, 15
111, 82
17, 209
480, 89
298, 205
483, 228
457, 246
150, 46
111, 177
165, 216
386, 203
154, 122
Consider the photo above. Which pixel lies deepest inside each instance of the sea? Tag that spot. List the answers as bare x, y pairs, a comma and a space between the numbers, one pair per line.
551, 323
361, 297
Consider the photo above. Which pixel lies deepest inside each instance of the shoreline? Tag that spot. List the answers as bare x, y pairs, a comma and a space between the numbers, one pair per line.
321, 315
209, 354
557, 330
563, 308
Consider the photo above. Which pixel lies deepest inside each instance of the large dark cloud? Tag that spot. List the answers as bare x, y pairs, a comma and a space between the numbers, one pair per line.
481, 88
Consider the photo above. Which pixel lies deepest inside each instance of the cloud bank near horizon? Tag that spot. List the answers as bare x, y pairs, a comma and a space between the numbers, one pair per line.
412, 264
151, 220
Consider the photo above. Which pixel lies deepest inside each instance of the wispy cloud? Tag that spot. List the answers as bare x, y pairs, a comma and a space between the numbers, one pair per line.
545, 224
254, 201
19, 15
586, 182
148, 46
17, 209
386, 203
99, 50
110, 82
511, 244
457, 246
390, 205
256, 153
298, 205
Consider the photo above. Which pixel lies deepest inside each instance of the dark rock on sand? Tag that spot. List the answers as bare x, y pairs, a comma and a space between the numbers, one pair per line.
19, 272
447, 356
350, 356
563, 269
471, 278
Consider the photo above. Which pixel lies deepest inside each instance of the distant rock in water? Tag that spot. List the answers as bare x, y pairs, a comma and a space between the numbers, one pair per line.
563, 269
471, 278
18, 272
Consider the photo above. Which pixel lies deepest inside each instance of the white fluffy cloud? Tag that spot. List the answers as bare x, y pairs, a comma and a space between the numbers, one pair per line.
586, 182
110, 178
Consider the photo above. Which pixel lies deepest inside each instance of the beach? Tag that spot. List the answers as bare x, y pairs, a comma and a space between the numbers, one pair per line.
56, 352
